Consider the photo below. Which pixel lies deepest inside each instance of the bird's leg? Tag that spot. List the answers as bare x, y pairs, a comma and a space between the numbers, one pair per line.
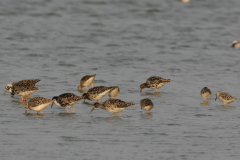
148, 111
28, 96
22, 98
92, 85
156, 90
98, 101
67, 109
119, 114
87, 88
113, 114
230, 105
37, 112
73, 109
41, 112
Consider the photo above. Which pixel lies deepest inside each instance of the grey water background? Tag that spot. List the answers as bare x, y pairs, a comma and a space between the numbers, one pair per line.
124, 43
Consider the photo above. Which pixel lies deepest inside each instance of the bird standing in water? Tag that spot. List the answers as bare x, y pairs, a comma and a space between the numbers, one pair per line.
66, 100
154, 82
113, 106
86, 81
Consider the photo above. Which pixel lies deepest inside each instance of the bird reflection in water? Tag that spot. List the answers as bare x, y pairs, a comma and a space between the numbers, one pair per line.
32, 115
205, 103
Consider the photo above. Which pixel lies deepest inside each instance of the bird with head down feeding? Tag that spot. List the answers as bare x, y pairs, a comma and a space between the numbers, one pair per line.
206, 93
154, 82
146, 104
66, 100
37, 104
86, 81
96, 93
23, 88
113, 106
225, 98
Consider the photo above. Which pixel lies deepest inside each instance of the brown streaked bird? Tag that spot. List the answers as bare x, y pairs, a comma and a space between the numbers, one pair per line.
66, 100
206, 93
114, 92
236, 44
37, 104
154, 82
23, 88
225, 98
86, 81
96, 93
113, 106
146, 104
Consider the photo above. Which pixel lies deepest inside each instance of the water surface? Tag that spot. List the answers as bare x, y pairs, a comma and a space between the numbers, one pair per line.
124, 43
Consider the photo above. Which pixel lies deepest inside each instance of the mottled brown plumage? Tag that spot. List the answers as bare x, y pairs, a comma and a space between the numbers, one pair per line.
206, 93
37, 104
86, 81
23, 88
225, 98
66, 100
154, 82
96, 93
146, 104
113, 106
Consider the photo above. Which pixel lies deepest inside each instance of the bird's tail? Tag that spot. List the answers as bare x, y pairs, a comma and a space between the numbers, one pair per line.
130, 104
79, 98
166, 80
35, 80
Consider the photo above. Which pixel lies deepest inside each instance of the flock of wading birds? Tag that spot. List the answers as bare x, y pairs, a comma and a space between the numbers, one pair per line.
25, 88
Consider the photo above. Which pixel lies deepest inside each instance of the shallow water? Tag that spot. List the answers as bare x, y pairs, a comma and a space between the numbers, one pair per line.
124, 43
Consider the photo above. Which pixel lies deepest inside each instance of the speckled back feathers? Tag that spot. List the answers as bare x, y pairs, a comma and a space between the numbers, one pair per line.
146, 102
87, 77
116, 103
67, 99
96, 92
34, 102
225, 96
24, 86
205, 90
156, 80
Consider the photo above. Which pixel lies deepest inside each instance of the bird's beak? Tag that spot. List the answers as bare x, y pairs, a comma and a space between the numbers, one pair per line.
4, 92
12, 95
215, 98
26, 111
52, 104
92, 109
